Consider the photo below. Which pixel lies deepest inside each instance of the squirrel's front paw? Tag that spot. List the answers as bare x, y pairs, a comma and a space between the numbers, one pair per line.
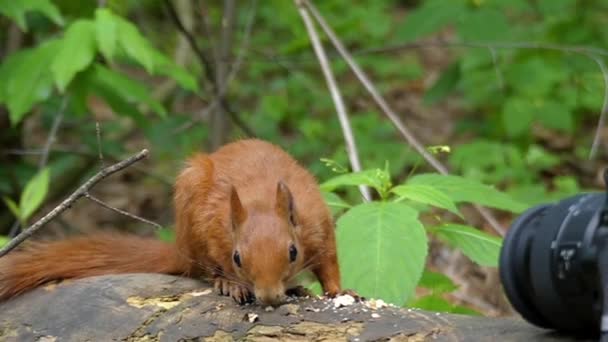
299, 291
240, 293
349, 292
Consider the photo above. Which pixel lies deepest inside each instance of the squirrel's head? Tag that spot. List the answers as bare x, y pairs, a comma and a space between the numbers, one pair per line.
266, 253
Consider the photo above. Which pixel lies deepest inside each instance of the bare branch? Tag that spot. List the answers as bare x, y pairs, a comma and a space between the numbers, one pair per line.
244, 45
98, 133
351, 146
120, 211
388, 111
53, 132
68, 202
600, 123
210, 72
219, 120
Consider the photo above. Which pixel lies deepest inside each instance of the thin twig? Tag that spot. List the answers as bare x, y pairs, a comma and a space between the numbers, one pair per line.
99, 149
68, 202
600, 123
244, 45
210, 72
349, 138
388, 111
53, 132
219, 120
120, 211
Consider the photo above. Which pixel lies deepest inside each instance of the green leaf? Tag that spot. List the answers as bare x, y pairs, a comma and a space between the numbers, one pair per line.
431, 16
481, 247
483, 25
77, 51
517, 116
426, 194
437, 282
3, 240
17, 10
335, 202
461, 189
183, 77
444, 85
12, 206
554, 115
135, 44
382, 248
25, 79
124, 92
166, 234
106, 32
376, 178
34, 193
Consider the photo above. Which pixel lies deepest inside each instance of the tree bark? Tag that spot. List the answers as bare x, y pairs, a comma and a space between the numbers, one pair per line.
151, 307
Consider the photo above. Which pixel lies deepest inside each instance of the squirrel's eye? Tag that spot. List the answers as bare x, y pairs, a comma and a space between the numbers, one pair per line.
293, 253
237, 258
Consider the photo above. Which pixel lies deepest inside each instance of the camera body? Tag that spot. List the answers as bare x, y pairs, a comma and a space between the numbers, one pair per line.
549, 264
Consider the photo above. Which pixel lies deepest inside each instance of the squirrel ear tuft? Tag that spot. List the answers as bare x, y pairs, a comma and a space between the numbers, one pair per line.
237, 212
285, 205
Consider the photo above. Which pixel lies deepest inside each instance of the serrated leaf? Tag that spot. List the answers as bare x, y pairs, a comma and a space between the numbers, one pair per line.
17, 10
382, 248
480, 247
106, 32
123, 91
461, 189
25, 79
77, 51
165, 66
376, 178
12, 206
34, 193
437, 282
426, 194
135, 44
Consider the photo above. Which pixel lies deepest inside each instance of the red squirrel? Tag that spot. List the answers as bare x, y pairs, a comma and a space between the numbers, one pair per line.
248, 217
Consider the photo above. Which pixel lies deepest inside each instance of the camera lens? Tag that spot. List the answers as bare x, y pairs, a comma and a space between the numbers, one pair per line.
548, 264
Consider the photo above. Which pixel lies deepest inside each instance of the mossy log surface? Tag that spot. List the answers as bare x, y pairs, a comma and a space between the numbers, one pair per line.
151, 307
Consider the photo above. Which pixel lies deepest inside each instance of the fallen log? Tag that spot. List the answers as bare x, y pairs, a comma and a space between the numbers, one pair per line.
151, 307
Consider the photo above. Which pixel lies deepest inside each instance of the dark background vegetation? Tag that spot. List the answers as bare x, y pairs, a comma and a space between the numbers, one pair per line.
515, 88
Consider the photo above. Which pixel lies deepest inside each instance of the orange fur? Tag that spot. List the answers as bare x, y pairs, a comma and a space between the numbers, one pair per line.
225, 202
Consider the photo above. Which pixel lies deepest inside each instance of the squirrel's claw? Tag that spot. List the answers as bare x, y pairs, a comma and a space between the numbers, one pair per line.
241, 294
299, 291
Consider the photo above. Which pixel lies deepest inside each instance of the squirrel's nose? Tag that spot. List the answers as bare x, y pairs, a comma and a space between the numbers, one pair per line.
270, 297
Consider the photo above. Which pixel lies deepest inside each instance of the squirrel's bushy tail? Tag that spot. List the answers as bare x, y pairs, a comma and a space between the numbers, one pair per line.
79, 257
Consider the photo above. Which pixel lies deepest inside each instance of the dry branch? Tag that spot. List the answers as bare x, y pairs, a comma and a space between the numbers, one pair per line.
68, 202
349, 138
388, 111
210, 72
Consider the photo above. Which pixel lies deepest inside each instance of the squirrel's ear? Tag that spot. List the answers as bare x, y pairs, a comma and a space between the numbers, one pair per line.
237, 212
284, 203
